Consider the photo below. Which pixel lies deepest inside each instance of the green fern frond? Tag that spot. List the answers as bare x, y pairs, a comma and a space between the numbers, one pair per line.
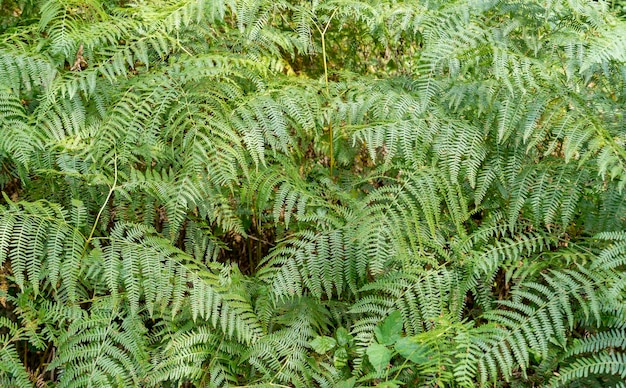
614, 339
314, 262
148, 150
18, 141
41, 238
196, 354
12, 371
614, 255
104, 349
281, 356
599, 364
21, 73
533, 319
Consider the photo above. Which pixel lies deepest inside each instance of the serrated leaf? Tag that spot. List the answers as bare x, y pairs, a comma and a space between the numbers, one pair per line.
387, 384
379, 356
340, 358
411, 350
343, 336
323, 344
390, 330
346, 383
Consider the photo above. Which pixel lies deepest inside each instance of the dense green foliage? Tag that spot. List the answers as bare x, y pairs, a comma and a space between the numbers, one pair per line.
303, 193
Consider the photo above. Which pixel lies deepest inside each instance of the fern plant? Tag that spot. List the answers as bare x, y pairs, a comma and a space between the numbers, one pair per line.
295, 193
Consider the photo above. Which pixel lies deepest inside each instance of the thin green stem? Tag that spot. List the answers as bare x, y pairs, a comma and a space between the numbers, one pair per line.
324, 58
106, 201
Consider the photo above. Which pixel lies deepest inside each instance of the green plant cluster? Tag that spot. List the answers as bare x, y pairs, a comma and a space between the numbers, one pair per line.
290, 193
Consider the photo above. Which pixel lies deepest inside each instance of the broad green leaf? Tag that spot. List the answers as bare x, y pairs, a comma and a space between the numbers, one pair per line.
379, 356
340, 358
343, 336
322, 344
387, 384
411, 350
346, 383
390, 330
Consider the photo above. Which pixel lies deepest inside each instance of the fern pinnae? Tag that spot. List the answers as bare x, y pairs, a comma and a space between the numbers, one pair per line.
477, 190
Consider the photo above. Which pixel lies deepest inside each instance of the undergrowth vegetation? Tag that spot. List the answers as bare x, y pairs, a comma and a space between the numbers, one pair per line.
290, 193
